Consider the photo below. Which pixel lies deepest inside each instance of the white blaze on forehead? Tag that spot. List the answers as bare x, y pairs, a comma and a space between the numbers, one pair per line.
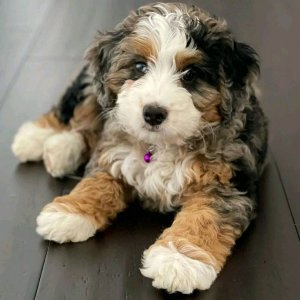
167, 33
160, 85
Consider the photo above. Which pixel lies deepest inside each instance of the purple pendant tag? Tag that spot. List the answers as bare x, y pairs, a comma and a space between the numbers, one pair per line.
147, 157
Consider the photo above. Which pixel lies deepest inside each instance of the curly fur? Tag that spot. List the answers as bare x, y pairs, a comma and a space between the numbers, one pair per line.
207, 153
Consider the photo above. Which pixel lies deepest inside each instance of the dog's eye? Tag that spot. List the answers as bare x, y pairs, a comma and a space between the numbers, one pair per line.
189, 75
141, 67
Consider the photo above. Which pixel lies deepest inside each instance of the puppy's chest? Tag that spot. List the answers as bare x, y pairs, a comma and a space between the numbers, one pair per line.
160, 182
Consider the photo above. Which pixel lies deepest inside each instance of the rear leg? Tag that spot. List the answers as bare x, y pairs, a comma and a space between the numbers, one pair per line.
65, 151
64, 137
29, 141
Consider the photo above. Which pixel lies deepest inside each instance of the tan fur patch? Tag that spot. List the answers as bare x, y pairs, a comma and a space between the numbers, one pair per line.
85, 114
99, 197
87, 122
206, 174
208, 101
49, 120
184, 59
212, 114
198, 232
140, 46
135, 48
116, 79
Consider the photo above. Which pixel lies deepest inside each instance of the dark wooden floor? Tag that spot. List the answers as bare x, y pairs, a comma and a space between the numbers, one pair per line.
41, 44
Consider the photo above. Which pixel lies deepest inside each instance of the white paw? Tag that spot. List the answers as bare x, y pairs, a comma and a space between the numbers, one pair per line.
63, 153
64, 227
29, 141
176, 272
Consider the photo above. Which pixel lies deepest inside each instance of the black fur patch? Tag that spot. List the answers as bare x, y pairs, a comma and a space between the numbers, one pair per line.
236, 59
245, 179
100, 56
72, 97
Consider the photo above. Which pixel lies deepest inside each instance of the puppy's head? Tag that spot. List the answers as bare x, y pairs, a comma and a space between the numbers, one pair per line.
169, 71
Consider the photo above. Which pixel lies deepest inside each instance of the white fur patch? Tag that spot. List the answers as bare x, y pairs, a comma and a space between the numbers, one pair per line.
63, 153
29, 142
64, 227
159, 86
176, 272
160, 182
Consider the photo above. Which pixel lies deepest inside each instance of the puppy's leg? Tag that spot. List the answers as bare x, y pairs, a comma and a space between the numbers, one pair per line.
29, 141
191, 253
89, 207
65, 137
64, 152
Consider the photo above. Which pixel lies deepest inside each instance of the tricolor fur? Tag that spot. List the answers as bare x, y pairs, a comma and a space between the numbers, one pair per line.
170, 79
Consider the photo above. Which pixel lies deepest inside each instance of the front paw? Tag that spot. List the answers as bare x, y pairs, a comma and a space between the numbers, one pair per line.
64, 153
57, 225
29, 141
175, 272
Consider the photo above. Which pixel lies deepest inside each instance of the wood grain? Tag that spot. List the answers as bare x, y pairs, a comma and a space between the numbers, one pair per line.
41, 44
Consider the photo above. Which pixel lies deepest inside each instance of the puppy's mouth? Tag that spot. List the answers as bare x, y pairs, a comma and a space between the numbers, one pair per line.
152, 128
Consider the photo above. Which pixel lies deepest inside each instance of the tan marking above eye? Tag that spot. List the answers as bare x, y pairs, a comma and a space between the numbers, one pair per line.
140, 46
188, 57
212, 115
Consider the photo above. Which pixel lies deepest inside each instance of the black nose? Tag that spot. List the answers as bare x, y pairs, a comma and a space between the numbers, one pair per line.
154, 115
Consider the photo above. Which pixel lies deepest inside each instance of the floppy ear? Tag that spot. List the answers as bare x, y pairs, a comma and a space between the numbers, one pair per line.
100, 55
238, 60
240, 63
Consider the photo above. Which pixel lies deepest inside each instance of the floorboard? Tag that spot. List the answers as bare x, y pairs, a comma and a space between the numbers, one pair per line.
262, 266
73, 24
41, 44
25, 189
19, 23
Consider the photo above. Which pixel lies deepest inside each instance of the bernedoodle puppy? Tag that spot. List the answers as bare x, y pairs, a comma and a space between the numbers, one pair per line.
166, 109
